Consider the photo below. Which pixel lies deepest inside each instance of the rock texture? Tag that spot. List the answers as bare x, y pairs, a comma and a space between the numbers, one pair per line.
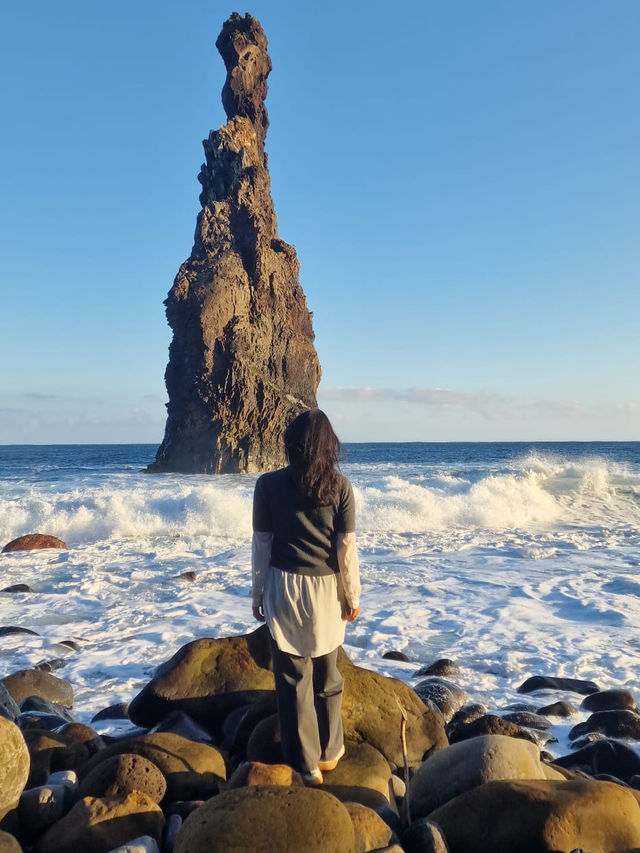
242, 361
33, 541
265, 818
14, 765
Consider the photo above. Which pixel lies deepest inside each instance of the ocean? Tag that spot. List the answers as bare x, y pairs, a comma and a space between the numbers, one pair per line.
514, 559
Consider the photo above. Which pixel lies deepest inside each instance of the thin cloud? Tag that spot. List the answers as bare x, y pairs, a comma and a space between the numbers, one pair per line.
485, 404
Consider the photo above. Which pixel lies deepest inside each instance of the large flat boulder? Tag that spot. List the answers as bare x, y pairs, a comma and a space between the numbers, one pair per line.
209, 678
36, 682
540, 817
464, 765
268, 818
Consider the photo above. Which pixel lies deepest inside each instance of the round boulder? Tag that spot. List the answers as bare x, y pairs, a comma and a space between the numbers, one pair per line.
395, 655
100, 825
35, 682
541, 816
442, 666
14, 765
9, 844
616, 724
267, 818
256, 773
121, 774
558, 709
192, 770
488, 724
32, 542
362, 766
371, 832
610, 700
472, 762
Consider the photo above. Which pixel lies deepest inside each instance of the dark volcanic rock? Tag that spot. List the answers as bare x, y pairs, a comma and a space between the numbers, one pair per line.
558, 709
9, 630
34, 682
548, 682
394, 655
622, 724
442, 666
242, 361
489, 724
603, 756
113, 712
33, 541
17, 587
610, 700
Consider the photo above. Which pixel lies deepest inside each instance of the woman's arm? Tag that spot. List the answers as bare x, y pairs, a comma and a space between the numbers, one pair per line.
349, 572
260, 547
260, 560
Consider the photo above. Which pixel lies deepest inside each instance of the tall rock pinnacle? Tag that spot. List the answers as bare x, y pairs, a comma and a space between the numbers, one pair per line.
242, 361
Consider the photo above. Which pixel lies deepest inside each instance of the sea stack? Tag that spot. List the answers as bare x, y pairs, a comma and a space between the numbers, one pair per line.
242, 361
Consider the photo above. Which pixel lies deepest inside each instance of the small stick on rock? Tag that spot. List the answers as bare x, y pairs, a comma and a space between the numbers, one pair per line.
405, 814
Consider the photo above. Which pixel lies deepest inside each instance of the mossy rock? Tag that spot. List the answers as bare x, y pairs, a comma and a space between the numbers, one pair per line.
193, 770
268, 818
210, 678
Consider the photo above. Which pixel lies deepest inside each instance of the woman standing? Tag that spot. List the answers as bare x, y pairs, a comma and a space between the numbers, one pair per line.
306, 584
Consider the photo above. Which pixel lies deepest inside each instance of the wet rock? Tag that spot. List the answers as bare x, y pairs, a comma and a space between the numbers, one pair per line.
100, 825
610, 700
33, 541
371, 832
39, 720
172, 828
467, 714
192, 770
540, 816
121, 774
69, 644
34, 682
619, 724
464, 765
266, 818
442, 666
44, 706
603, 756
242, 361
240, 724
257, 773
528, 720
10, 630
445, 695
17, 587
187, 576
8, 706
120, 711
14, 765
489, 724
50, 665
558, 709
548, 682
393, 655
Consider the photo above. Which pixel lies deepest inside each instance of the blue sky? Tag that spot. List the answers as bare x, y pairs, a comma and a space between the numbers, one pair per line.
460, 181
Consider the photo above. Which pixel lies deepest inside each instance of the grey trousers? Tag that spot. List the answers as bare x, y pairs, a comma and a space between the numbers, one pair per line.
309, 697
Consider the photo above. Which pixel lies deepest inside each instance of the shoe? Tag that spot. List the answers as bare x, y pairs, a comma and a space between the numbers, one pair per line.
331, 765
312, 779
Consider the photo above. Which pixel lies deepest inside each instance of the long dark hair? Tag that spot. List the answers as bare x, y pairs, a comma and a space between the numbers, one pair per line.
313, 451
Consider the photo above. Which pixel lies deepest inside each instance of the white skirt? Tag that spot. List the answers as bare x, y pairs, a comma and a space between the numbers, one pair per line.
303, 613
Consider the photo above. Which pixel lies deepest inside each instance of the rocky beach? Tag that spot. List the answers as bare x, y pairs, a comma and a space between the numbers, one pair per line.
499, 610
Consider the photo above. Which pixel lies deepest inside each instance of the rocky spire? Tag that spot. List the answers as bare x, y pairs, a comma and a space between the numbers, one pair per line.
242, 361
